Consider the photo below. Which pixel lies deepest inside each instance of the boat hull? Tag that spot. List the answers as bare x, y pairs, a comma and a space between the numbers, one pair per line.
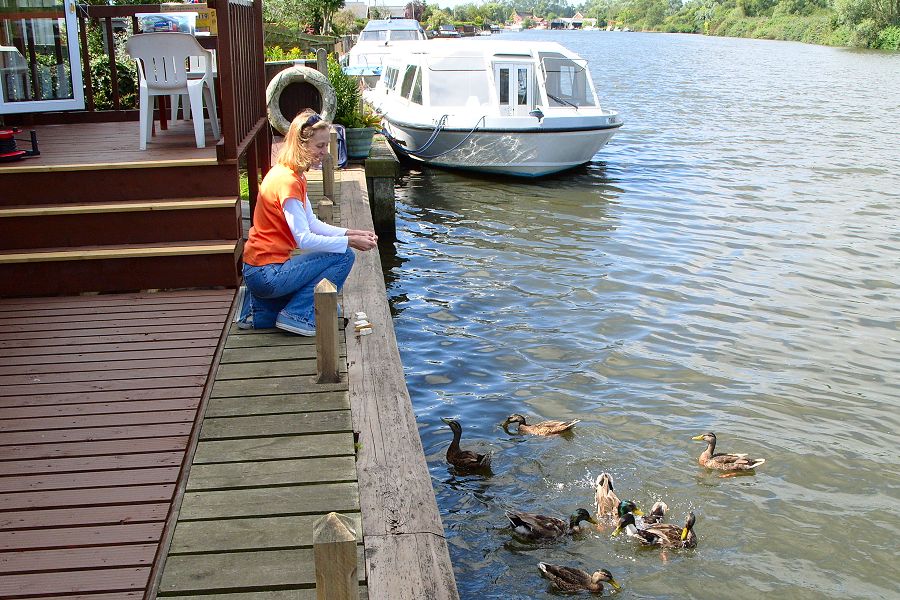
532, 152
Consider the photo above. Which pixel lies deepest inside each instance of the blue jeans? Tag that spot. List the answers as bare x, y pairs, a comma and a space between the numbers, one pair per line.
288, 287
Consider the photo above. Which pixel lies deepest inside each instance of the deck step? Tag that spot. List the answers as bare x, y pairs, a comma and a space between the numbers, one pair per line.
128, 222
120, 268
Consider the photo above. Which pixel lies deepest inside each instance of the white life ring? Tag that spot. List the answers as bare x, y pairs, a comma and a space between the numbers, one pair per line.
298, 74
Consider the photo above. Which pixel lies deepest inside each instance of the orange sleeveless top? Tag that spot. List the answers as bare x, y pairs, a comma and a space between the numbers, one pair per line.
270, 240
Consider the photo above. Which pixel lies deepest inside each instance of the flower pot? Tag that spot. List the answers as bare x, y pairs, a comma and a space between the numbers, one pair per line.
359, 141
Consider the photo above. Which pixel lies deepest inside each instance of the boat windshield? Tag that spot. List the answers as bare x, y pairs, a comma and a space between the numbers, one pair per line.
404, 36
458, 81
374, 35
566, 80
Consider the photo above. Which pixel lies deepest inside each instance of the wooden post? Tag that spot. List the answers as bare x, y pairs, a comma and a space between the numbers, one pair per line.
332, 148
325, 211
328, 176
322, 62
326, 333
334, 549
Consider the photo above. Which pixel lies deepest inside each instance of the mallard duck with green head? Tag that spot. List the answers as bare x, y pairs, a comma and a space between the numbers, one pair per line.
723, 461
464, 459
663, 535
570, 579
542, 527
542, 428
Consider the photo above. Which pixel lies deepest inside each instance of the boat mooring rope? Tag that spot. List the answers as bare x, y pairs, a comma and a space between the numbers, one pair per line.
434, 135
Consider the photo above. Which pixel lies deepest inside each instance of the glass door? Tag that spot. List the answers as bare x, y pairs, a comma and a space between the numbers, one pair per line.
40, 64
515, 88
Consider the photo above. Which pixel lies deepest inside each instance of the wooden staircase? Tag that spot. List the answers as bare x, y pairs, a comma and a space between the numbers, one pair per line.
118, 227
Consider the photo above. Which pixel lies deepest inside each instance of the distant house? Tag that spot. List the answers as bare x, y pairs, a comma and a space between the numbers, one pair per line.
517, 17
360, 10
389, 12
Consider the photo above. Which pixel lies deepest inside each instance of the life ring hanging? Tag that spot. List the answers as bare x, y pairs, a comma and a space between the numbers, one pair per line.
298, 74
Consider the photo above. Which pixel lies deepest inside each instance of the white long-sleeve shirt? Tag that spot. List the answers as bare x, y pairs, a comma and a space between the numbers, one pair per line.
311, 234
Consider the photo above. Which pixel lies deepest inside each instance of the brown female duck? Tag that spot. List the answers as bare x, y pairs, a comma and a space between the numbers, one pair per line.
464, 459
542, 428
570, 579
663, 535
722, 461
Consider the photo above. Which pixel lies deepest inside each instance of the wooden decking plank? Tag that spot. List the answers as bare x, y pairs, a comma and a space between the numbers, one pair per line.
122, 354
278, 404
139, 366
101, 420
86, 497
229, 535
132, 395
130, 555
74, 375
89, 479
261, 338
110, 342
127, 299
125, 445
291, 594
99, 408
296, 446
84, 516
270, 473
275, 425
261, 354
287, 500
239, 571
73, 537
92, 434
90, 463
427, 574
268, 370
141, 383
263, 387
64, 317
68, 582
110, 333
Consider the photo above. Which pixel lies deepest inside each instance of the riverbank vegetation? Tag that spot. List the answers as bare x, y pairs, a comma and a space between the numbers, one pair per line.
858, 23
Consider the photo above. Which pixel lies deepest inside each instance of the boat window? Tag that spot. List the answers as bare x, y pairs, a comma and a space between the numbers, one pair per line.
504, 86
566, 80
374, 35
390, 78
404, 36
417, 89
522, 97
458, 88
408, 80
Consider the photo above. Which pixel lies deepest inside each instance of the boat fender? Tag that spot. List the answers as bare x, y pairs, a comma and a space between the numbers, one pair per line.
298, 74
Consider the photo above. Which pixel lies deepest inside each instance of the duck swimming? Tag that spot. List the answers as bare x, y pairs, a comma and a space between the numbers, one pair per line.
570, 579
607, 501
464, 459
542, 428
534, 526
722, 461
663, 535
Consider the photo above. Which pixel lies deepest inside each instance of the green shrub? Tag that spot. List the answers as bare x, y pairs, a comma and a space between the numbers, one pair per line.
347, 91
277, 53
889, 38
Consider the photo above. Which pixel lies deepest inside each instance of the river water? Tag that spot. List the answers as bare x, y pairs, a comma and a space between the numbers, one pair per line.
729, 263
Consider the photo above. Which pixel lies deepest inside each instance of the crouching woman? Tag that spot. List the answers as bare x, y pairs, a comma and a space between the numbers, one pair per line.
281, 285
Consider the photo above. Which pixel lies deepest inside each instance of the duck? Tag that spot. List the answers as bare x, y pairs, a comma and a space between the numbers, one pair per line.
607, 501
570, 579
656, 515
663, 535
536, 526
542, 428
722, 461
463, 459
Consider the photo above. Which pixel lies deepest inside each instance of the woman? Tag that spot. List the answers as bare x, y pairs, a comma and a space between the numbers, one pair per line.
280, 285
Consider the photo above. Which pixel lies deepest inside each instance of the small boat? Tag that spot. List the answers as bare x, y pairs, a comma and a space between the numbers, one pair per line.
526, 109
377, 39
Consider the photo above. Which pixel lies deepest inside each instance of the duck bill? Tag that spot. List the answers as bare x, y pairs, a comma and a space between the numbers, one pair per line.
698, 438
617, 531
592, 520
613, 583
684, 534
637, 512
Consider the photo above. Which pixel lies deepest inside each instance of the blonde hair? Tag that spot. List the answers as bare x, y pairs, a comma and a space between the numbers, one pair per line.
294, 153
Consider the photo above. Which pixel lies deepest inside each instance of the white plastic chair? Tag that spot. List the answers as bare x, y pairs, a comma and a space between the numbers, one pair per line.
162, 59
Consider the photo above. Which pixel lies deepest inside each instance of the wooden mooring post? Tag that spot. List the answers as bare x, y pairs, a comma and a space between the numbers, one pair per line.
327, 351
334, 550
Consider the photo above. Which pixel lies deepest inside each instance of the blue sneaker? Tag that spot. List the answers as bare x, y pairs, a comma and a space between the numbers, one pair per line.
288, 323
246, 322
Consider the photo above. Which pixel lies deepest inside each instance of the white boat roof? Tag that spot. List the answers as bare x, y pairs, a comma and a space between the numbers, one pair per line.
392, 24
480, 48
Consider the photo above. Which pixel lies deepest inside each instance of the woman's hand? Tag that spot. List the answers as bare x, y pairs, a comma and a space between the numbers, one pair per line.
361, 240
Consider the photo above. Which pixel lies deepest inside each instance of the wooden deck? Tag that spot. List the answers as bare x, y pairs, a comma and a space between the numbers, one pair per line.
99, 396
91, 146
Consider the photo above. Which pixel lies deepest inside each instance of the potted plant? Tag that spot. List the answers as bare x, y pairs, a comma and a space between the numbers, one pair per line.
360, 123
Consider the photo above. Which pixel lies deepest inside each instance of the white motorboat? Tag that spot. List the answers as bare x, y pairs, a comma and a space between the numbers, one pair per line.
377, 39
517, 108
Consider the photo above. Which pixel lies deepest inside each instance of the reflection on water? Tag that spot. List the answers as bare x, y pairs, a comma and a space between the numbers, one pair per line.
728, 263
